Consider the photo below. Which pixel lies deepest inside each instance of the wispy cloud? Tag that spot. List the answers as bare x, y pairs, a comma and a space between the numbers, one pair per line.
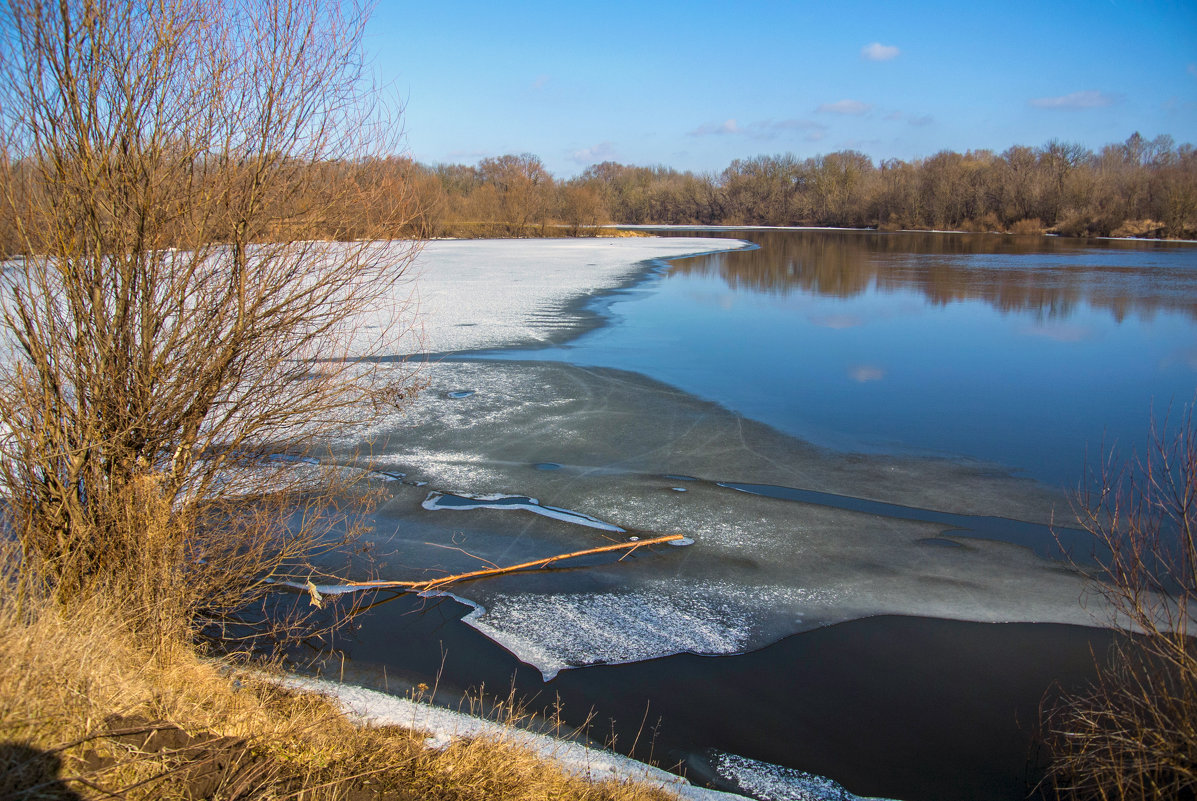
1192, 70
879, 52
853, 108
729, 126
1076, 100
863, 373
603, 151
762, 129
540, 82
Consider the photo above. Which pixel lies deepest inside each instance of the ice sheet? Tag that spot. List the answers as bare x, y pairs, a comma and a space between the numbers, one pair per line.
464, 295
559, 631
760, 568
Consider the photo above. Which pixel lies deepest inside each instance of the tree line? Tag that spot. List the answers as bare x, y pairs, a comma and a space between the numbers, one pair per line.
1139, 187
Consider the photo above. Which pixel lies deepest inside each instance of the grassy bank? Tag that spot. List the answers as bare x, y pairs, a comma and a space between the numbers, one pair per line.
90, 710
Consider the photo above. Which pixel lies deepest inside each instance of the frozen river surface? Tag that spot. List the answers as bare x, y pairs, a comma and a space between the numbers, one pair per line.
741, 401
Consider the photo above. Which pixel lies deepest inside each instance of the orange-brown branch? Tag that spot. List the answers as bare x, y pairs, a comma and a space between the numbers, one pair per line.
431, 584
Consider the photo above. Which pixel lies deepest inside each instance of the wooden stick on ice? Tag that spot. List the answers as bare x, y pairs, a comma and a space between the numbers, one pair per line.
432, 584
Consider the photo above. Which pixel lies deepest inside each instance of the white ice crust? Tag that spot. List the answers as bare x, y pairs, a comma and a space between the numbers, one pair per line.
770, 782
556, 632
370, 707
479, 294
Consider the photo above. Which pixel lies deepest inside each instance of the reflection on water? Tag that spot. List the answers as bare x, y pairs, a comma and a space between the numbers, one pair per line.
1032, 353
1047, 275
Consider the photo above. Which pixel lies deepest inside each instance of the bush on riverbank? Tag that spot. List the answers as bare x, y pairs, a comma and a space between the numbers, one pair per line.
1132, 736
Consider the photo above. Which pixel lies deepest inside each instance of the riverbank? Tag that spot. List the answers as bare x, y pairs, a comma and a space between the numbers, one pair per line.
89, 709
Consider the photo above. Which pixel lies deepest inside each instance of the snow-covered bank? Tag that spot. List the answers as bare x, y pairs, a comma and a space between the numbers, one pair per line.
764, 781
479, 294
370, 707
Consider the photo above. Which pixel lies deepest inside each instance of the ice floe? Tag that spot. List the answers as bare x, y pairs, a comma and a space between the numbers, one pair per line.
460, 502
768, 782
554, 632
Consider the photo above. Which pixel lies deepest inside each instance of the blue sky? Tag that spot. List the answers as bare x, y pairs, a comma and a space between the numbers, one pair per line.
695, 85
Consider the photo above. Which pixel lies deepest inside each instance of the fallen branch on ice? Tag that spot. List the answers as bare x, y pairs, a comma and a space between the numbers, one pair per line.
432, 584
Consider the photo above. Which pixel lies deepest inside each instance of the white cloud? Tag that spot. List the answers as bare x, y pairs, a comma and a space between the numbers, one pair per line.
1076, 100
863, 373
717, 129
879, 52
603, 151
850, 107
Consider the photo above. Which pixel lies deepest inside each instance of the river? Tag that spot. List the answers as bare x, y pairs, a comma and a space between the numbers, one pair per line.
863, 437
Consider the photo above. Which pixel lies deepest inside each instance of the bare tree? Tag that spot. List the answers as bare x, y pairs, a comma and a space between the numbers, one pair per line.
1133, 734
172, 324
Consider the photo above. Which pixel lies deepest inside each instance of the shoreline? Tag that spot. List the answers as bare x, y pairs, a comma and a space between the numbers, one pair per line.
699, 227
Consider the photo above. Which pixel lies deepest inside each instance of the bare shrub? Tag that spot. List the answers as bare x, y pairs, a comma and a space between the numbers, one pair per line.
1133, 734
171, 326
1027, 227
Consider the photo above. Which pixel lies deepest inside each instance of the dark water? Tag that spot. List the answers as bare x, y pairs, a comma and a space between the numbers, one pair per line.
1027, 352
908, 708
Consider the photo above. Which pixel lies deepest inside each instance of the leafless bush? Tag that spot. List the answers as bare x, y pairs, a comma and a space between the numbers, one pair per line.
170, 323
1133, 734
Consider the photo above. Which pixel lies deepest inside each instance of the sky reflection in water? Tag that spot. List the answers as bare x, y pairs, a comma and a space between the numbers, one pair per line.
1021, 351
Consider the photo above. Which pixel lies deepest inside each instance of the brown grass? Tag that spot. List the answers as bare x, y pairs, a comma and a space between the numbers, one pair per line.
1025, 227
89, 710
1140, 228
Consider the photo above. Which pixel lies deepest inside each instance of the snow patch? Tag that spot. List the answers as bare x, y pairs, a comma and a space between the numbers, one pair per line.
370, 707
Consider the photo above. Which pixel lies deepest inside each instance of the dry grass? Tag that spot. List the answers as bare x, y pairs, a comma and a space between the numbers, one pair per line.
619, 233
1140, 228
89, 710
1027, 227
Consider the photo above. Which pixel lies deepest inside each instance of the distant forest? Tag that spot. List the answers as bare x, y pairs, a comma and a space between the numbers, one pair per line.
1141, 187
1137, 188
